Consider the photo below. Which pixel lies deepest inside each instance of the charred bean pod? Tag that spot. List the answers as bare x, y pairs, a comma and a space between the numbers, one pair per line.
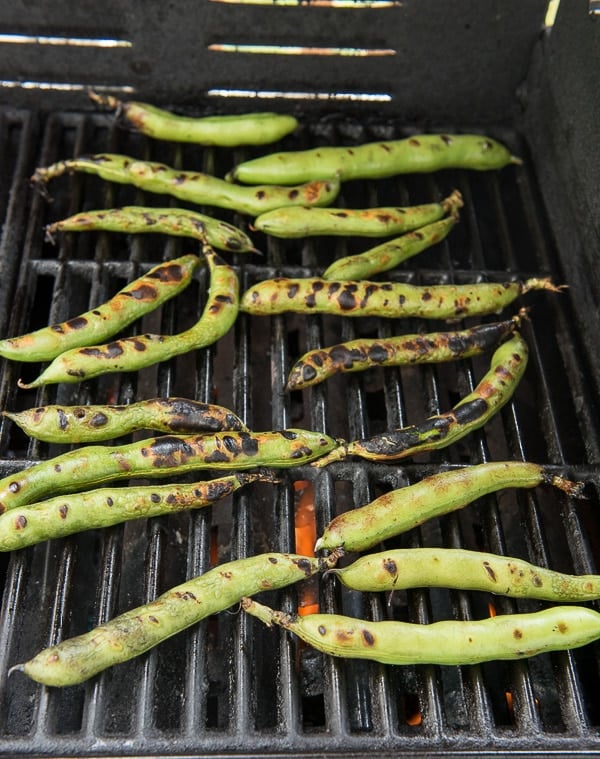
143, 295
495, 389
303, 221
448, 642
97, 422
389, 300
180, 222
364, 353
163, 456
134, 632
192, 186
461, 569
104, 507
134, 353
233, 130
377, 160
403, 509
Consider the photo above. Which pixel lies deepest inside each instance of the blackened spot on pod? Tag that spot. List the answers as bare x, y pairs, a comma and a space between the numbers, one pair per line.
471, 411
63, 419
142, 292
292, 290
322, 630
301, 452
384, 218
377, 353
63, 511
79, 413
110, 502
260, 194
223, 298
418, 235
517, 634
304, 565
346, 300
138, 345
232, 244
172, 498
249, 444
368, 637
170, 273
57, 328
386, 147
426, 296
153, 619
57, 468
310, 300
489, 571
273, 560
317, 285
20, 522
289, 434
155, 498
217, 490
446, 139
113, 350
317, 359
537, 581
76, 372
179, 179
332, 288
369, 291
14, 487
216, 457
293, 194
414, 142
232, 444
341, 356
77, 323
169, 450
457, 344
340, 214
99, 420
390, 567
308, 372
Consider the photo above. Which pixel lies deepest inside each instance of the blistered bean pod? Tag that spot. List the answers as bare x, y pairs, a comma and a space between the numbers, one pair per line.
494, 390
163, 456
193, 186
134, 632
302, 221
462, 569
104, 507
377, 160
364, 353
180, 222
97, 422
133, 353
450, 642
232, 130
402, 509
391, 300
143, 295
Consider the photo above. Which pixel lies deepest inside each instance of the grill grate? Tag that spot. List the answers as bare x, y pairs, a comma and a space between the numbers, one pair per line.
230, 686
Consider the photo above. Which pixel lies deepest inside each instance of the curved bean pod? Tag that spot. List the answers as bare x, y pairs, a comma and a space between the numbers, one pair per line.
134, 632
104, 507
233, 130
81, 468
193, 186
140, 297
377, 160
495, 389
180, 222
134, 353
97, 422
361, 354
403, 509
462, 569
449, 642
303, 221
391, 300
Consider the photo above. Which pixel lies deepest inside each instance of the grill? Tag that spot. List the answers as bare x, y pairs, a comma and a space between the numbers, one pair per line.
230, 686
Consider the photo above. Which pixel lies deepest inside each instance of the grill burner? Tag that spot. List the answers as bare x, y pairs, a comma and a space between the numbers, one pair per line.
230, 686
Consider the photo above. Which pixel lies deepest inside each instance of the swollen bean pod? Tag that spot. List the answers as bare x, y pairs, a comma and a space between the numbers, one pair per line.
134, 632
364, 353
133, 353
162, 456
180, 222
377, 160
448, 642
97, 422
402, 509
192, 186
143, 295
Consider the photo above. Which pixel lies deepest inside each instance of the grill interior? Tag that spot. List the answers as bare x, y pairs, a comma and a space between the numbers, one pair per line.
229, 685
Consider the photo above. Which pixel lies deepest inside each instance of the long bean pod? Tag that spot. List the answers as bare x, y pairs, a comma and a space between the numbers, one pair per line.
180, 222
192, 186
493, 391
104, 507
461, 569
134, 632
391, 300
231, 130
162, 456
377, 160
448, 642
308, 221
404, 508
139, 297
133, 353
97, 422
364, 353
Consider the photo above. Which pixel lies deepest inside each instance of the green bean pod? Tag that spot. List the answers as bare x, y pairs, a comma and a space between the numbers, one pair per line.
461, 569
402, 509
307, 221
143, 295
162, 456
134, 632
104, 507
192, 186
180, 222
389, 300
365, 353
377, 160
494, 390
449, 642
97, 422
133, 353
232, 130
